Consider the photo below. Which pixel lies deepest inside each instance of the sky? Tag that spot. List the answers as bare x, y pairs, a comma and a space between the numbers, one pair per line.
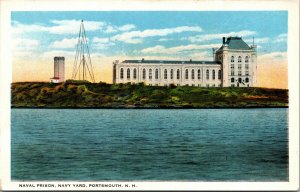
118, 35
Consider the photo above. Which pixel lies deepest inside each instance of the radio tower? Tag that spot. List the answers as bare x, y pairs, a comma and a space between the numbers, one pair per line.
82, 67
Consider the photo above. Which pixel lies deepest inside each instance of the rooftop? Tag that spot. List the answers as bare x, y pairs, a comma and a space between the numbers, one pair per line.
170, 62
235, 43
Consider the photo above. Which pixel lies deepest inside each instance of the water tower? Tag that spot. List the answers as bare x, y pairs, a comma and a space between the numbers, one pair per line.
59, 70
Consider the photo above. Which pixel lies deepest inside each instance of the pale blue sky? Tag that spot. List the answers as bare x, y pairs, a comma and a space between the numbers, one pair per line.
152, 33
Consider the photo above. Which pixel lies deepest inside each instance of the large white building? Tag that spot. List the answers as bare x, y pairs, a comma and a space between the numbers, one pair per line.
234, 64
59, 70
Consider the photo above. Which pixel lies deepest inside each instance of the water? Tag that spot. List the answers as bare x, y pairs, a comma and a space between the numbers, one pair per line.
120, 144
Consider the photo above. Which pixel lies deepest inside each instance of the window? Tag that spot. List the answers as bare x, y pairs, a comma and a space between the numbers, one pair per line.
178, 74
156, 73
144, 73
246, 66
247, 80
207, 74
232, 85
134, 73
232, 59
246, 73
121, 73
186, 74
219, 74
232, 69
171, 74
240, 59
193, 74
239, 73
150, 73
246, 59
213, 74
199, 74
165, 74
240, 80
128, 73
239, 66
232, 80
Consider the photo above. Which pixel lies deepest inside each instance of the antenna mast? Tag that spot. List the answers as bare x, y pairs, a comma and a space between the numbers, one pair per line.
82, 64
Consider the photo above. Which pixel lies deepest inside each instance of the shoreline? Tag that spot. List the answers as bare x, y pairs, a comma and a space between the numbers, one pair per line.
140, 96
249, 107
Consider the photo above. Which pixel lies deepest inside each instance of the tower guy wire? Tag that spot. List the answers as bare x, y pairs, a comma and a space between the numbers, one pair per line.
82, 67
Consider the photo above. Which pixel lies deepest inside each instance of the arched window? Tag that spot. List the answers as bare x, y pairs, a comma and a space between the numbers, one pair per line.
156, 73
199, 74
207, 74
128, 73
144, 73
121, 73
171, 74
247, 80
240, 80
246, 59
186, 74
239, 59
193, 74
178, 74
165, 74
214, 74
219, 74
150, 73
134, 73
232, 80
232, 59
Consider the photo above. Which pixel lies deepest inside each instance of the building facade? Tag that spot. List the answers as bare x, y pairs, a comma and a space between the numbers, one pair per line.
234, 64
59, 70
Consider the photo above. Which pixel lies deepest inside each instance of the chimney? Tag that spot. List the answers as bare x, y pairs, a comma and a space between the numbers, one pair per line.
223, 40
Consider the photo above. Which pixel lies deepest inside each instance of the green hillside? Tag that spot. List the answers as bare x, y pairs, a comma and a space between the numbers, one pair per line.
102, 95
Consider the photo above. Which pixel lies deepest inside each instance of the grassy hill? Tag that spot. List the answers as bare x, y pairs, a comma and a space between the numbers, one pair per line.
102, 95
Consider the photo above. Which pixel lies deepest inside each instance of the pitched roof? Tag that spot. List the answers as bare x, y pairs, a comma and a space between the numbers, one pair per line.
236, 43
170, 62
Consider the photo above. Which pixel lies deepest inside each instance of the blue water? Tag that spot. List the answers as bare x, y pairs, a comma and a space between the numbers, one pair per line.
120, 144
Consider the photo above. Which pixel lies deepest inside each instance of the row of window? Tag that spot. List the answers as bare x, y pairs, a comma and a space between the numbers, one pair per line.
240, 59
239, 73
240, 80
239, 66
193, 85
239, 69
171, 74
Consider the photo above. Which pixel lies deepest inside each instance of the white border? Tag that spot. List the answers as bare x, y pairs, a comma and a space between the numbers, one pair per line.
292, 6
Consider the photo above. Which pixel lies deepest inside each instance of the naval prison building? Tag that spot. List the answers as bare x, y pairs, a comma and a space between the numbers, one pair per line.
234, 65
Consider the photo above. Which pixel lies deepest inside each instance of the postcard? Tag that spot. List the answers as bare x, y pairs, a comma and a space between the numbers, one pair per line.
149, 95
